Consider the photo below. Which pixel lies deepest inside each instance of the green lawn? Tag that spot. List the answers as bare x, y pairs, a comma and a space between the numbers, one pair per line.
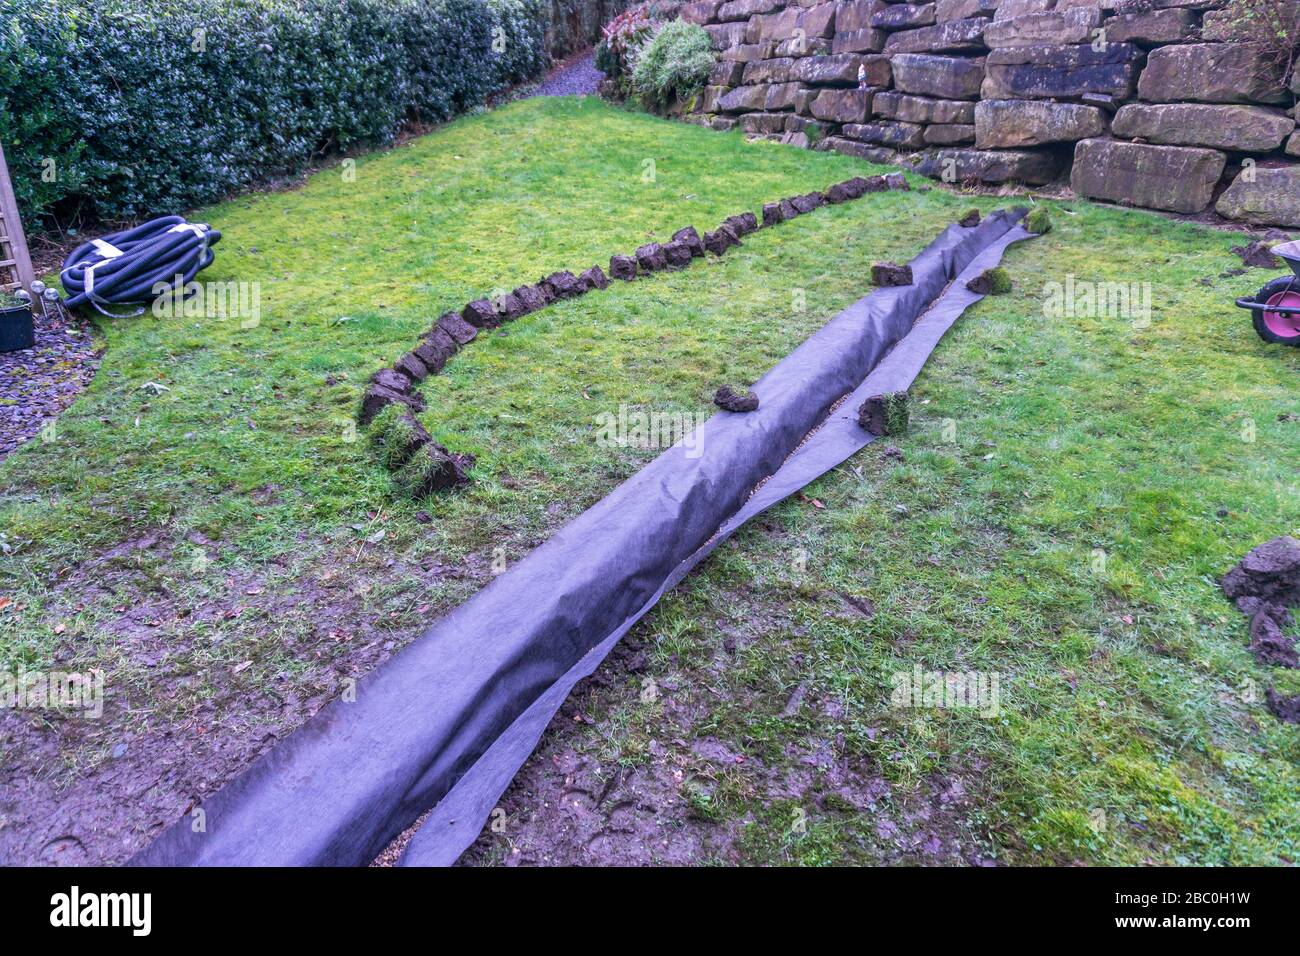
1069, 492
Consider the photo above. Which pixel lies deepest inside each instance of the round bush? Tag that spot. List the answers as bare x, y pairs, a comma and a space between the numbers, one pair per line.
675, 64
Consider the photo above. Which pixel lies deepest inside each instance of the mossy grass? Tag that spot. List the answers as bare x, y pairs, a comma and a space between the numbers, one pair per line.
896, 413
999, 280
1039, 221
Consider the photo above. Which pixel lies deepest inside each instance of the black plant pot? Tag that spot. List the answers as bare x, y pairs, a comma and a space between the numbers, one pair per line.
17, 331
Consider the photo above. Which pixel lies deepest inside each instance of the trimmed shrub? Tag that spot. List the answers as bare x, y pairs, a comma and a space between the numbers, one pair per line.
674, 64
118, 109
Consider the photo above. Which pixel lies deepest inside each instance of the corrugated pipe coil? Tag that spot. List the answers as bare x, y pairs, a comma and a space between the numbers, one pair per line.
129, 267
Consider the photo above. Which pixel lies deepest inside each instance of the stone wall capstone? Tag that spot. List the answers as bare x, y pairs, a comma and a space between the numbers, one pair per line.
1164, 104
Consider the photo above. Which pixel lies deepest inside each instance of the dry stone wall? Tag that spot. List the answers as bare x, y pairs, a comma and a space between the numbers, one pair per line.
1165, 104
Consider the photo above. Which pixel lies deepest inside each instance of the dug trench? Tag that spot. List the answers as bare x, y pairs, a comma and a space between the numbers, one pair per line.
578, 802
79, 792
479, 739
187, 716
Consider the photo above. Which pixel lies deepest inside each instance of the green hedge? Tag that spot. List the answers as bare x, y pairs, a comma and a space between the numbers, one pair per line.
148, 107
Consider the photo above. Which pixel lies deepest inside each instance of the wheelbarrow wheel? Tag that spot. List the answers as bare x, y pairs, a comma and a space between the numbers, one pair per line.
1278, 327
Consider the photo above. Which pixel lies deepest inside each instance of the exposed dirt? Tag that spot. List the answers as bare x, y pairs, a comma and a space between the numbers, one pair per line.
1256, 255
1264, 586
93, 791
1268, 643
1285, 709
568, 807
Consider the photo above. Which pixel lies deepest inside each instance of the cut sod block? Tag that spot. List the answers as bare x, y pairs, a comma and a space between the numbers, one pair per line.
397, 436
890, 274
884, 414
431, 468
651, 258
460, 331
413, 367
530, 297
995, 281
622, 267
435, 350
677, 254
594, 278
481, 314
735, 399
1038, 220
688, 235
377, 397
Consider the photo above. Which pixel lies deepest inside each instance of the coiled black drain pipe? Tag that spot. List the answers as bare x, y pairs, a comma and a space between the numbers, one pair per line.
137, 265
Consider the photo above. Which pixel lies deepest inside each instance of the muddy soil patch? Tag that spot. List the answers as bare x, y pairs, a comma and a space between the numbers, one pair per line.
691, 797
177, 725
1265, 586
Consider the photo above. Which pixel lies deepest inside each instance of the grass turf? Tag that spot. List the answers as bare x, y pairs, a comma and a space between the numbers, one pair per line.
1068, 494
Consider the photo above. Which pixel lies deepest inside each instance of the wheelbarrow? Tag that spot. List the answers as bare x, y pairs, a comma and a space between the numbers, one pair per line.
1275, 309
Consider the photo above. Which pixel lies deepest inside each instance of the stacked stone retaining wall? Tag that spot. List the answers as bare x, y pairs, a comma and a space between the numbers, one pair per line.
1164, 104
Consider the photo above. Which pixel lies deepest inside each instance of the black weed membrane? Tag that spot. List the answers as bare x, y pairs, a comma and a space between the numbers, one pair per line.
446, 723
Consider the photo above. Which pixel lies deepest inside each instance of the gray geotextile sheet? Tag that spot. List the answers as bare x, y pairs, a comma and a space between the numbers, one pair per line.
447, 722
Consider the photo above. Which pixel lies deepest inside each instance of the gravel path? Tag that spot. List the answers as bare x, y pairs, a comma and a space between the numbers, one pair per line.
36, 384
576, 77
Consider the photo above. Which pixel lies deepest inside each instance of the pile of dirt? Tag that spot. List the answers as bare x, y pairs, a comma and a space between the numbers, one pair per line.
1265, 586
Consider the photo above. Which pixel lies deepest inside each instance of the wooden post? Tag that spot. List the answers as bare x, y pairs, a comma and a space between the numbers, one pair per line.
15, 262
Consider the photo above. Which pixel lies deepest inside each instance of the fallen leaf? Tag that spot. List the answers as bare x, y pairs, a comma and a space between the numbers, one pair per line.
60, 628
241, 667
